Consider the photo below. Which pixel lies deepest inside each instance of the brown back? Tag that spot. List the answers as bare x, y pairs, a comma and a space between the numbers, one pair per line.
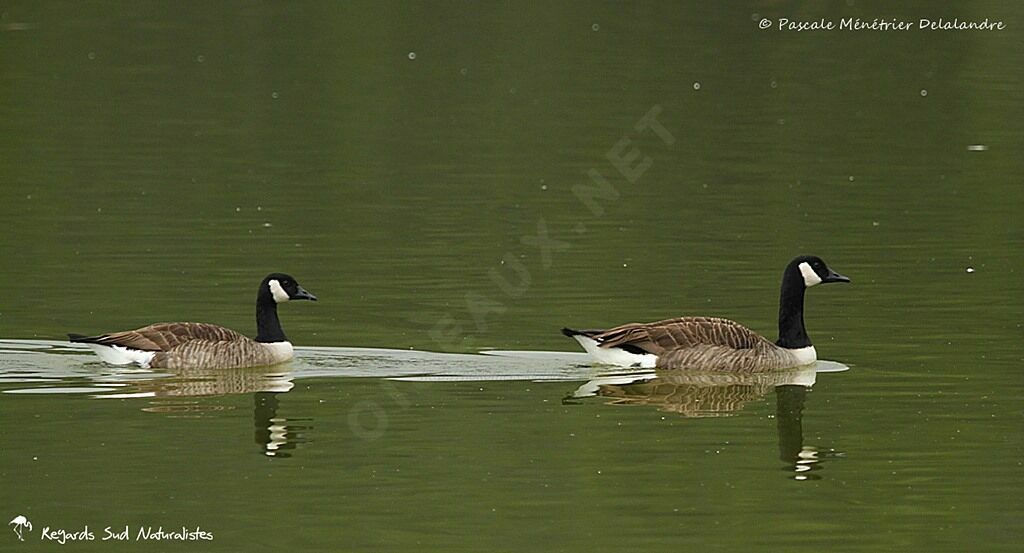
681, 333
165, 336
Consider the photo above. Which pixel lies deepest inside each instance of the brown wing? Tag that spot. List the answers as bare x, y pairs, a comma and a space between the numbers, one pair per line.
684, 332
164, 336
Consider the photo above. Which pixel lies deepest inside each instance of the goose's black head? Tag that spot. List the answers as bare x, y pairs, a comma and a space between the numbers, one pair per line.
280, 288
812, 270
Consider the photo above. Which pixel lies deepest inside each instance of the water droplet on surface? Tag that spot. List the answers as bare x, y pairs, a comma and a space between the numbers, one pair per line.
412, 55
696, 86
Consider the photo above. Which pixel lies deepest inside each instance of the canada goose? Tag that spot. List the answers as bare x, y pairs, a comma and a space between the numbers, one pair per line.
206, 346
713, 344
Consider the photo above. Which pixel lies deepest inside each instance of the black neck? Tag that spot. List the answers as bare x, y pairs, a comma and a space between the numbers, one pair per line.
792, 333
268, 326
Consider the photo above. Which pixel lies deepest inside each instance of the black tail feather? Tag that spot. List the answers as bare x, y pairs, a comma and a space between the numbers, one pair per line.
570, 332
81, 338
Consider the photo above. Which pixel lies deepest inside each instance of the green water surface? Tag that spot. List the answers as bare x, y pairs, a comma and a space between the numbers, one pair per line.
452, 177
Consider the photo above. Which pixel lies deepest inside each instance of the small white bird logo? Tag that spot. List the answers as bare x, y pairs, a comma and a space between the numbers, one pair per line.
20, 524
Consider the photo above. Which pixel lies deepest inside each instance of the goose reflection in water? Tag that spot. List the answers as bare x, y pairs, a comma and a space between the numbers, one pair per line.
803, 460
275, 435
700, 395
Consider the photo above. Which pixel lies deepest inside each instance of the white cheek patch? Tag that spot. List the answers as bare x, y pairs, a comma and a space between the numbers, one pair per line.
810, 277
280, 296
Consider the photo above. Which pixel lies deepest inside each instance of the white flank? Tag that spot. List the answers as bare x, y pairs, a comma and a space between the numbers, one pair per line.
282, 351
616, 356
280, 296
810, 277
805, 356
119, 355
